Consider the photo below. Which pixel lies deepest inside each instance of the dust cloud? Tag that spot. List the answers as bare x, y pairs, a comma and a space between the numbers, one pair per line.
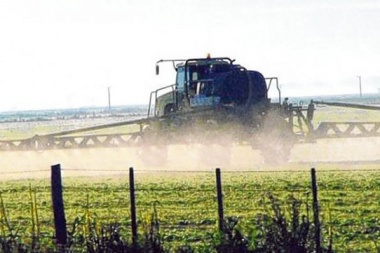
349, 150
91, 162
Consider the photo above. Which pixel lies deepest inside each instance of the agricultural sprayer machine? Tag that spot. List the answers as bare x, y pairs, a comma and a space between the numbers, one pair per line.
213, 105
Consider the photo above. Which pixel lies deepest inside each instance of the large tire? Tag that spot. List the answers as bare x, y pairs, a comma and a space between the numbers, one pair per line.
276, 139
276, 152
153, 149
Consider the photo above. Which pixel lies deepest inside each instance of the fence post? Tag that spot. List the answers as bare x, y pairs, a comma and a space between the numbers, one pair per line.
133, 206
317, 224
58, 208
220, 199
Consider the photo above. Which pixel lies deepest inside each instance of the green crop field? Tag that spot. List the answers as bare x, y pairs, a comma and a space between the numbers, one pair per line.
186, 205
180, 207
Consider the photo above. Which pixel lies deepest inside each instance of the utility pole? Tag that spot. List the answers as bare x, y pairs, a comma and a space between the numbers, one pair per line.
360, 85
109, 98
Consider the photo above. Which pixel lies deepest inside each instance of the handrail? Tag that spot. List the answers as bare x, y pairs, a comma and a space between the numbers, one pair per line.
277, 86
172, 86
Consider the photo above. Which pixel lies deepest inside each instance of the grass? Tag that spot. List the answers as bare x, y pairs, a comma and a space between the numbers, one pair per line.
23, 130
184, 204
187, 209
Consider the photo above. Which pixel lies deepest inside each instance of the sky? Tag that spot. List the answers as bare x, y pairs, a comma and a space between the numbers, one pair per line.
66, 53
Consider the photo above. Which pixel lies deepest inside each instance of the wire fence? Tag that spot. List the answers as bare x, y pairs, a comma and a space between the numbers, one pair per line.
186, 202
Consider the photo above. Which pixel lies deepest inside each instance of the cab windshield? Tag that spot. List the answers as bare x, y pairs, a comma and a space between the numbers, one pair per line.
198, 72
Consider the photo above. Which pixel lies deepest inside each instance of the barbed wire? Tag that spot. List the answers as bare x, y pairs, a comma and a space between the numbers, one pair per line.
206, 171
22, 171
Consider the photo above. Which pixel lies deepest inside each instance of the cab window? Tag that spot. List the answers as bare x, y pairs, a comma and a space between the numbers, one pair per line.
181, 80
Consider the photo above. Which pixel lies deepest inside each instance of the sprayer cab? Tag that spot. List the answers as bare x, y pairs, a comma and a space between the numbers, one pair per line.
211, 82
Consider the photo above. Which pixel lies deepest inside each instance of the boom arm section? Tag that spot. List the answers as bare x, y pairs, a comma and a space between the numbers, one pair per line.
349, 105
79, 138
348, 129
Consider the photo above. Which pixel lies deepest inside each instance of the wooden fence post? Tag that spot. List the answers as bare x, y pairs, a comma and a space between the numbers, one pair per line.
133, 206
220, 199
317, 223
58, 208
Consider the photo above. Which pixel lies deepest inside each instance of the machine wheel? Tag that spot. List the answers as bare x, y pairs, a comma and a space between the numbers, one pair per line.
276, 152
153, 149
276, 140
